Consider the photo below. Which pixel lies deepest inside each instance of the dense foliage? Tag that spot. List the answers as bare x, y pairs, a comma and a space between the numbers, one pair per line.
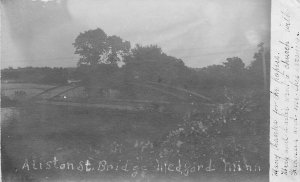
95, 47
237, 132
150, 63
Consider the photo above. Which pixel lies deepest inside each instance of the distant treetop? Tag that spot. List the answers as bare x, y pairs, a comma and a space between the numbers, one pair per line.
95, 47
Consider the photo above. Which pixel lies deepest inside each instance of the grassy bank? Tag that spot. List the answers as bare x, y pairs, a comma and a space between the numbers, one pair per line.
42, 133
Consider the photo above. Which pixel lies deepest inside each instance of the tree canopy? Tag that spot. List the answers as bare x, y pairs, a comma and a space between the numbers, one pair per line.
150, 64
95, 47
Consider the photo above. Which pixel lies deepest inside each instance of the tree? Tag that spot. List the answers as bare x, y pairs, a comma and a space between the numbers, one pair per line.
234, 64
147, 53
99, 58
149, 63
256, 67
117, 48
95, 47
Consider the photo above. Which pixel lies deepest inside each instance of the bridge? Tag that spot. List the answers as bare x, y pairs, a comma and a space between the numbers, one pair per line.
74, 95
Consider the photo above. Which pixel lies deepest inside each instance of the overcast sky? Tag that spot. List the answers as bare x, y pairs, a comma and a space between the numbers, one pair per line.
200, 32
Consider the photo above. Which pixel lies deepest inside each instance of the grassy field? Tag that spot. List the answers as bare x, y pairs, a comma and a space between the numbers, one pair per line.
34, 134
31, 89
40, 133
71, 134
43, 91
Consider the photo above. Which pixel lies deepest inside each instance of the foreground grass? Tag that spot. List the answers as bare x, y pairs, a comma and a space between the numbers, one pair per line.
41, 133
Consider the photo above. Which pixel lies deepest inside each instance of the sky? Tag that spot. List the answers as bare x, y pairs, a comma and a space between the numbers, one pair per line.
200, 32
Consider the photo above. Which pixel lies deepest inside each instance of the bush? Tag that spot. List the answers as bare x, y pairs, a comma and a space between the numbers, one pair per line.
228, 132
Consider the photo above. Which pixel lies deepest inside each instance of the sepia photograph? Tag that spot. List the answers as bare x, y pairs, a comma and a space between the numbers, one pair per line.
135, 90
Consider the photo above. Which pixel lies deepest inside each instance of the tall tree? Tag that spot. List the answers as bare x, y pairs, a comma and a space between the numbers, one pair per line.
150, 63
257, 68
147, 53
234, 64
95, 47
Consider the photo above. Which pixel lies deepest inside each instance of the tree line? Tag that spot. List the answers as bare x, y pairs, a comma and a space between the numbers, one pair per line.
101, 56
110, 62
